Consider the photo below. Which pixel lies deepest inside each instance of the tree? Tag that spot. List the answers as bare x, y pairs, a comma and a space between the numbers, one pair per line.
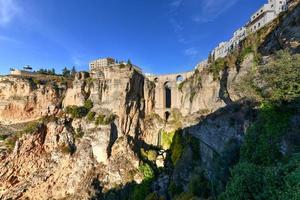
129, 62
66, 72
73, 71
53, 71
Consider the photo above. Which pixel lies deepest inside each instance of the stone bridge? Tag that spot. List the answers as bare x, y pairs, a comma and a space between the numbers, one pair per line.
167, 93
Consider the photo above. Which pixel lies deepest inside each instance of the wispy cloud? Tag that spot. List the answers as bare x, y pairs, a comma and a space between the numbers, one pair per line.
176, 3
191, 52
211, 9
8, 10
4, 38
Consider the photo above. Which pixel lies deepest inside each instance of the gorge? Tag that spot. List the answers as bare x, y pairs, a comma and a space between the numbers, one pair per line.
125, 135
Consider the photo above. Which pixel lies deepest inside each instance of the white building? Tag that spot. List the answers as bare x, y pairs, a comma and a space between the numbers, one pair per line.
267, 13
104, 62
221, 50
238, 36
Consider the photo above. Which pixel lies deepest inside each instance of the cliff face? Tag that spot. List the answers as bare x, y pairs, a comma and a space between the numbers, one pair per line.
22, 100
67, 157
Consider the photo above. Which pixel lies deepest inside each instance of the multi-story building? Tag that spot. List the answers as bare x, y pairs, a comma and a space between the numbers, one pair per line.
97, 65
238, 36
221, 50
267, 13
103, 62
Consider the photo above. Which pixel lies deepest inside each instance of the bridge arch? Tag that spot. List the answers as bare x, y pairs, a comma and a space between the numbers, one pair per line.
168, 94
179, 79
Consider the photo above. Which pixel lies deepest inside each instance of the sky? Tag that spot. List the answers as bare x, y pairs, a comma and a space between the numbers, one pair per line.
160, 36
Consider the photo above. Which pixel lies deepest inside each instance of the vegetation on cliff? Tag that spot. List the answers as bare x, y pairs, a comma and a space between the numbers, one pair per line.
269, 169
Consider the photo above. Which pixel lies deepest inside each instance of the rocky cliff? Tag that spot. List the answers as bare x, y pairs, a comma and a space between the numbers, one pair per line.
99, 136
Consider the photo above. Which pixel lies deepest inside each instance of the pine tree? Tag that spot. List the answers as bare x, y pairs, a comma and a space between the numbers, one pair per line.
73, 71
66, 72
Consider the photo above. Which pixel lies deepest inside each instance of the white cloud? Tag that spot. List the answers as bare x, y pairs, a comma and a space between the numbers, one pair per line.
211, 9
191, 52
8, 10
176, 3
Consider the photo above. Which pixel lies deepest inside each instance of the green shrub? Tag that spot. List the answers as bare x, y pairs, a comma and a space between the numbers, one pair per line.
109, 119
3, 137
30, 128
77, 112
217, 66
147, 171
88, 104
105, 120
263, 138
150, 155
91, 116
100, 120
276, 81
244, 52
247, 183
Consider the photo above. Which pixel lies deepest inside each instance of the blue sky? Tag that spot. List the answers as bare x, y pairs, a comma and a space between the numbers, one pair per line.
161, 36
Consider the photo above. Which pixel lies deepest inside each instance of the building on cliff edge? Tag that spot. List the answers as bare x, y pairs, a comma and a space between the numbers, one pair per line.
267, 13
97, 65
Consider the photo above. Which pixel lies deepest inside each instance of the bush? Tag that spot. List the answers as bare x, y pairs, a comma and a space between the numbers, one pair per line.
262, 141
244, 52
150, 155
247, 183
88, 104
100, 120
277, 81
217, 66
77, 112
109, 119
105, 120
3, 137
250, 181
91, 116
147, 171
